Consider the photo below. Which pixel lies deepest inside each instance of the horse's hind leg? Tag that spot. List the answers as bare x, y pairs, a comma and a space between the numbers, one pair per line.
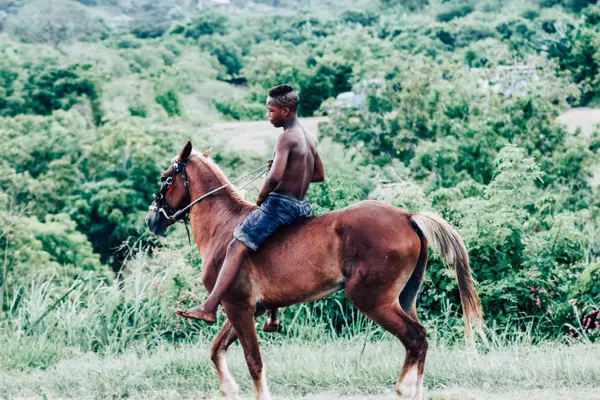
218, 352
390, 316
408, 302
408, 296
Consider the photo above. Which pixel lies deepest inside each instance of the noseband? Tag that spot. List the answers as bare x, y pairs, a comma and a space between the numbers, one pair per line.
160, 205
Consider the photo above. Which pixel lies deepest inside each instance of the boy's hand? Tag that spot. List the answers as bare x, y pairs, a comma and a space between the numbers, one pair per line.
260, 200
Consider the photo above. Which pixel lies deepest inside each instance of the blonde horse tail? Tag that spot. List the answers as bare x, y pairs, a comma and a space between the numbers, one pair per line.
449, 245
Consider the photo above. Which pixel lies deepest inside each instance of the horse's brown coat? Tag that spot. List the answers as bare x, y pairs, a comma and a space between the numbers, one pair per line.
370, 250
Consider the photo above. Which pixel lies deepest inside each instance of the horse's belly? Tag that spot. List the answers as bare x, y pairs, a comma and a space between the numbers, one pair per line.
286, 295
305, 267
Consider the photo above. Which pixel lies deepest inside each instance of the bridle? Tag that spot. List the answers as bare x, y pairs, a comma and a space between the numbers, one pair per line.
161, 206
180, 167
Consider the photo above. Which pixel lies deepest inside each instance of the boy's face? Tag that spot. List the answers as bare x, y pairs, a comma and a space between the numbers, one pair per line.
277, 115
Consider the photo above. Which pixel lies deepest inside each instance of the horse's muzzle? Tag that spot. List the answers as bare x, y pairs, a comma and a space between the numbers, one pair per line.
157, 223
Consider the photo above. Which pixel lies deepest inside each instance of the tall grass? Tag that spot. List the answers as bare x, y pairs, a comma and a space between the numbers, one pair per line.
124, 340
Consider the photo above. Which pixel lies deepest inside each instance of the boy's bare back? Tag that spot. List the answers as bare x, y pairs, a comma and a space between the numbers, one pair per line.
300, 146
296, 161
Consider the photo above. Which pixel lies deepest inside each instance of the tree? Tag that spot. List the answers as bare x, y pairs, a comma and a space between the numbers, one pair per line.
55, 22
46, 89
169, 100
206, 24
330, 77
226, 51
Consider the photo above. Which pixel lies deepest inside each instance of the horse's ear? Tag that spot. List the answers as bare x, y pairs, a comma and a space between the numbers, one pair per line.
207, 152
186, 152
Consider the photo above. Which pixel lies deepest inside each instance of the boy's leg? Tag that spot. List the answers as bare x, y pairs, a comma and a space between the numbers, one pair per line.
236, 252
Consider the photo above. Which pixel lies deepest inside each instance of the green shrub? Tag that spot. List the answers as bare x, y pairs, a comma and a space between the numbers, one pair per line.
206, 24
149, 31
584, 61
273, 69
507, 236
56, 22
331, 76
531, 14
128, 43
52, 249
177, 30
472, 33
581, 314
46, 89
364, 18
549, 3
578, 5
515, 28
226, 51
138, 110
455, 11
170, 102
411, 5
592, 15
103, 178
587, 285
296, 29
241, 109
439, 103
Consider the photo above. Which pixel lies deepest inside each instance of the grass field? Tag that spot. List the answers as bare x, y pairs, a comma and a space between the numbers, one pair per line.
319, 370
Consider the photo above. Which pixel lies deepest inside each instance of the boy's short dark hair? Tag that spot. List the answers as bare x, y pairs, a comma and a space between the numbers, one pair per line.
285, 95
281, 90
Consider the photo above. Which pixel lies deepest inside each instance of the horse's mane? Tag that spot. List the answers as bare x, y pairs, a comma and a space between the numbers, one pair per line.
221, 178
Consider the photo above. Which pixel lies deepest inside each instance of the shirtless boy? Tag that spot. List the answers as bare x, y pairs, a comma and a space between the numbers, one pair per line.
281, 200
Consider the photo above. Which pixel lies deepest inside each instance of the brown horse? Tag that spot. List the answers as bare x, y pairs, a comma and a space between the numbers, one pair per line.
376, 253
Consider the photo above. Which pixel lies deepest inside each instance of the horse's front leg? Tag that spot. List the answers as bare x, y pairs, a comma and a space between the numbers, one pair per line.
218, 353
242, 320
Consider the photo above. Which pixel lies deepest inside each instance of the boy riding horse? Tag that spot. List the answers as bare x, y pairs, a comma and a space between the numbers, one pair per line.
296, 163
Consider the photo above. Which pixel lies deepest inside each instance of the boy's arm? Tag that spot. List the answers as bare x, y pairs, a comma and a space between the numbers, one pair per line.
282, 151
319, 171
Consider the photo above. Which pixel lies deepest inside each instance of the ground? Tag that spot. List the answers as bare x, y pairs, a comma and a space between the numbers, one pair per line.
320, 370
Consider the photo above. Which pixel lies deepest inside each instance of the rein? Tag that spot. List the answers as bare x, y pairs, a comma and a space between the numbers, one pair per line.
258, 172
183, 214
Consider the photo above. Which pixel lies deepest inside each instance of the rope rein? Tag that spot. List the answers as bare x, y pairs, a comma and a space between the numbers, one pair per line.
255, 174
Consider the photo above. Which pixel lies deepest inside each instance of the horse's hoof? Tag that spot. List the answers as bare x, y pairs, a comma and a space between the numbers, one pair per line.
271, 326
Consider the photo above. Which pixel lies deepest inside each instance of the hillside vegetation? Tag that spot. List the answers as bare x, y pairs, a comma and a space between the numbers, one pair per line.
454, 111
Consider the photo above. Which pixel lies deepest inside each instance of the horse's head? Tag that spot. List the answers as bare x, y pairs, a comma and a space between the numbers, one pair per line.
173, 196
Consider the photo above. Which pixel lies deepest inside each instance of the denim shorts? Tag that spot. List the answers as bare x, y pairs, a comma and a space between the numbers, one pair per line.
277, 210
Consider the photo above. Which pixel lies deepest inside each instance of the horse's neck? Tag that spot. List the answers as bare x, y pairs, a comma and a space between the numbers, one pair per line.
214, 217
210, 224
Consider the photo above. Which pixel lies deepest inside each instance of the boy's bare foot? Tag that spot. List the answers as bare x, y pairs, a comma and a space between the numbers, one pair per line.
199, 312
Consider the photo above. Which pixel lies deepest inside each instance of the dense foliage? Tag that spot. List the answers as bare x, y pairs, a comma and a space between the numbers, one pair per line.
453, 109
